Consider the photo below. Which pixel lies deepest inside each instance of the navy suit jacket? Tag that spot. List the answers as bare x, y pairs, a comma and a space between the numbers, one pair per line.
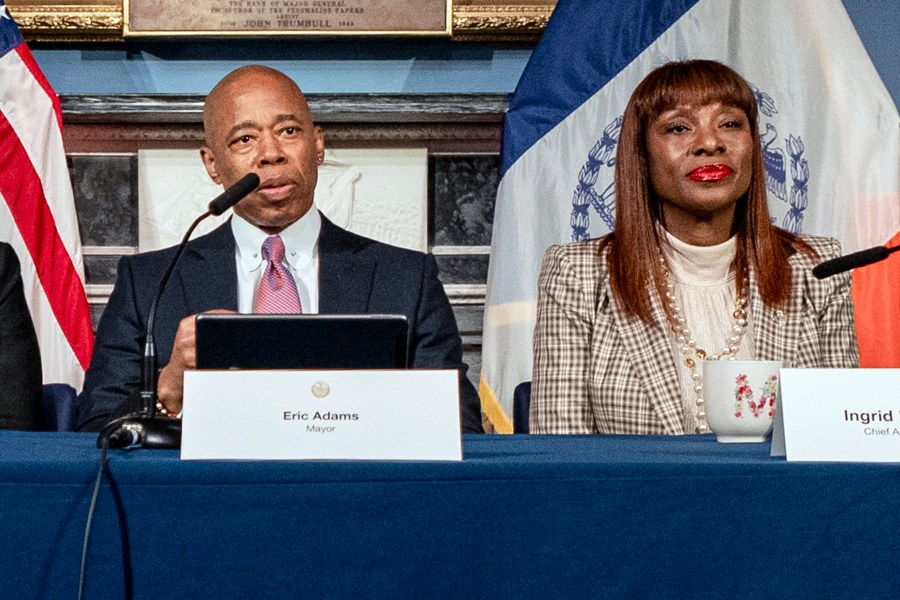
356, 275
20, 359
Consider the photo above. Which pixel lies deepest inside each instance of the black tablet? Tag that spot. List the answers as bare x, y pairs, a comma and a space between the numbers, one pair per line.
240, 341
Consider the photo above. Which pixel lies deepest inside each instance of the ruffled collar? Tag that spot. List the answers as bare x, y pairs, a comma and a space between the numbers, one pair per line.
700, 265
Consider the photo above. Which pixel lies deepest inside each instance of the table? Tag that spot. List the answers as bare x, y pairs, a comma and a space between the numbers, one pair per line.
520, 517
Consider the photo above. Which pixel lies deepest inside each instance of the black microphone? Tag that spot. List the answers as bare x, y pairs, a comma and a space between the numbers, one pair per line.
233, 195
852, 261
144, 429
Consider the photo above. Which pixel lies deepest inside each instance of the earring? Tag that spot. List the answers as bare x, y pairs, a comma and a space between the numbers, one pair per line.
319, 159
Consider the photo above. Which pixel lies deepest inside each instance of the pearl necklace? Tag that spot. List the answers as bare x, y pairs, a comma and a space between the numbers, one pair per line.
688, 345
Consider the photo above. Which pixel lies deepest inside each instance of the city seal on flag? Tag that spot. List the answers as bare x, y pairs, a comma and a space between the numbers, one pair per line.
774, 163
601, 157
595, 188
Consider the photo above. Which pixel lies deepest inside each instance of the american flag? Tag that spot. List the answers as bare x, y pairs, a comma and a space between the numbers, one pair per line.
37, 210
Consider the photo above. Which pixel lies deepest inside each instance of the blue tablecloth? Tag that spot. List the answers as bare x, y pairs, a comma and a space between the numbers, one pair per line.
521, 516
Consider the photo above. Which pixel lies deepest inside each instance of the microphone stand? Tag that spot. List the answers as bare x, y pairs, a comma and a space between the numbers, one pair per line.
144, 429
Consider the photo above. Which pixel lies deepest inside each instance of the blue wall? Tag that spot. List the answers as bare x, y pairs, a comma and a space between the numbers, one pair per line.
878, 25
385, 66
379, 66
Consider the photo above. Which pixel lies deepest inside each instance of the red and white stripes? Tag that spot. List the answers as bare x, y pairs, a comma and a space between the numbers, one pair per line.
37, 216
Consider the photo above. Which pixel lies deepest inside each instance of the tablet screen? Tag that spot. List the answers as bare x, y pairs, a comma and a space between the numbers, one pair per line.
253, 341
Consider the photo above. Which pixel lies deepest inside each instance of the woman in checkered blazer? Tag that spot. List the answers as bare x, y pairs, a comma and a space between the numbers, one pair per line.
694, 271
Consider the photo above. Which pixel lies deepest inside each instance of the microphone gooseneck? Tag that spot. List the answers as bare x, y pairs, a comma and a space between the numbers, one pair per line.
852, 261
144, 429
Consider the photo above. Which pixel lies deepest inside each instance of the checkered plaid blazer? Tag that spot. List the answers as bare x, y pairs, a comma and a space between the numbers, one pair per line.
598, 370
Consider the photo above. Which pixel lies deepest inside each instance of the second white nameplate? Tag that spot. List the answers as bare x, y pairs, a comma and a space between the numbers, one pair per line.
840, 415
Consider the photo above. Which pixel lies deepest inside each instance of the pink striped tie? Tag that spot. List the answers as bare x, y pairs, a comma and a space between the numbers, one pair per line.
277, 291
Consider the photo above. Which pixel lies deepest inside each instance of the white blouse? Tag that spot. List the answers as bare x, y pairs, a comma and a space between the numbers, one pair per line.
703, 277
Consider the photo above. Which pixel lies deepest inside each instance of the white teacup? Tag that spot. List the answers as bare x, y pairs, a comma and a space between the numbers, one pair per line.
740, 397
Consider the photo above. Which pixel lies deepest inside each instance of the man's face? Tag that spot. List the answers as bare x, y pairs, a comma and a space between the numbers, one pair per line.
258, 121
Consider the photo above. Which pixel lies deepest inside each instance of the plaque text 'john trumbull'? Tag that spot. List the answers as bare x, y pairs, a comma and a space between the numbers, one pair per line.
278, 17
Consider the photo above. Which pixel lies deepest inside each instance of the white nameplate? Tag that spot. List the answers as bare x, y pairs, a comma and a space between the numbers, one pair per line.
321, 415
839, 415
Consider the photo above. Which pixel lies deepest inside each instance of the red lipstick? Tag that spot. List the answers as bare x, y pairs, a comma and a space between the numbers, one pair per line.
710, 173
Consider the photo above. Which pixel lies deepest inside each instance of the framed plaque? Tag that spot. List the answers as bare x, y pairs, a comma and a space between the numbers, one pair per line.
220, 18
103, 20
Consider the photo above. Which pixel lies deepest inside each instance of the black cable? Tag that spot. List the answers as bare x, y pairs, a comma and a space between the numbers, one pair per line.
101, 466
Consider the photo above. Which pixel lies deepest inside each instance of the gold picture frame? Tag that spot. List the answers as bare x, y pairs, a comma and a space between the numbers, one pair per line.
68, 20
103, 20
487, 20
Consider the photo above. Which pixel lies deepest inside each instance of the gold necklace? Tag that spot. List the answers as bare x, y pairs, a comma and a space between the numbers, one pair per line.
688, 345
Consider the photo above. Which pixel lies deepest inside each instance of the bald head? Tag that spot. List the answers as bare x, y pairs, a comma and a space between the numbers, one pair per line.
239, 80
257, 120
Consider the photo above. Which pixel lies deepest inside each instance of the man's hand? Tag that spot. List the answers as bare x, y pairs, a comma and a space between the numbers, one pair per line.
170, 385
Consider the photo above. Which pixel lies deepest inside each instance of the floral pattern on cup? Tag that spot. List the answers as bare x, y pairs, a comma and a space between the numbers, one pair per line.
743, 392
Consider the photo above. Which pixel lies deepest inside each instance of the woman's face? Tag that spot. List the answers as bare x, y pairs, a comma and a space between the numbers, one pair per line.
700, 160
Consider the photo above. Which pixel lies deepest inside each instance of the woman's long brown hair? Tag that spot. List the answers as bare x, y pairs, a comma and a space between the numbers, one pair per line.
633, 247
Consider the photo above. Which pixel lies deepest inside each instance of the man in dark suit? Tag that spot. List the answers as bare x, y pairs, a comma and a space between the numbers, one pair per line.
257, 120
20, 359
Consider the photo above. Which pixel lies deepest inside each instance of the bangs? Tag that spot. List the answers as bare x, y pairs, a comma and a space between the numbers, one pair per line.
692, 83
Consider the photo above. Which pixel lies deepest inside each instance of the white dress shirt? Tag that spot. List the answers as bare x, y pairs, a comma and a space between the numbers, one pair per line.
301, 253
